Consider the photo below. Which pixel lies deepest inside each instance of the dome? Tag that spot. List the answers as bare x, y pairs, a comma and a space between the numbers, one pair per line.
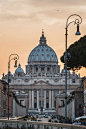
42, 52
19, 69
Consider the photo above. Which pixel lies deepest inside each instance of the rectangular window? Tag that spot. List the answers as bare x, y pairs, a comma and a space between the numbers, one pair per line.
79, 106
73, 80
47, 93
43, 103
47, 105
35, 105
55, 104
39, 103
35, 93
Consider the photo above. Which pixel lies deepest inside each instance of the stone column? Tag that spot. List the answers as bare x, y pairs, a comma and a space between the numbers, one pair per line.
44, 99
51, 69
32, 68
45, 68
41, 96
32, 99
39, 69
50, 99
56, 69
37, 99
13, 107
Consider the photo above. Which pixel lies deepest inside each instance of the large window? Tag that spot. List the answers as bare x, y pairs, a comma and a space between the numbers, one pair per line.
47, 105
35, 105
73, 80
55, 104
47, 93
35, 93
47, 97
79, 106
39, 103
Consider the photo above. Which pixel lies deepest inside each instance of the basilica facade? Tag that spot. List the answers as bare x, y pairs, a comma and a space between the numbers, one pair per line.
43, 80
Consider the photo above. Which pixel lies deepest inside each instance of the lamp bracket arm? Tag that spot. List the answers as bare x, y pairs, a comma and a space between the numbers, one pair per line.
70, 23
77, 21
15, 58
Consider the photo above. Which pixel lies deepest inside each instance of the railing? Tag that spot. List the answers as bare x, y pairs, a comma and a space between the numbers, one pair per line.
17, 124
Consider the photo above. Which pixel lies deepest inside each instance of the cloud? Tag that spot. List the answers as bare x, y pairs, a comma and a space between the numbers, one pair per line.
38, 10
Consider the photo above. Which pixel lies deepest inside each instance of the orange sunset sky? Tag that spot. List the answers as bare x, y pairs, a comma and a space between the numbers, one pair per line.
22, 21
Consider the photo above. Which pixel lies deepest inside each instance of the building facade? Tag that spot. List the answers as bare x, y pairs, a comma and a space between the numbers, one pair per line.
42, 79
3, 93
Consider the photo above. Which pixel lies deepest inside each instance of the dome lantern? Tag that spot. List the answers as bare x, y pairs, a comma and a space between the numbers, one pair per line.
42, 40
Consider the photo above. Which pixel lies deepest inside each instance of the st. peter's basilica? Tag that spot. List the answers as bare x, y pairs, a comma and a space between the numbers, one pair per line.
43, 80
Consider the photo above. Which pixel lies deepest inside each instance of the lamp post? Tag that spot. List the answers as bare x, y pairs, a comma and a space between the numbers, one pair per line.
77, 22
14, 58
41, 97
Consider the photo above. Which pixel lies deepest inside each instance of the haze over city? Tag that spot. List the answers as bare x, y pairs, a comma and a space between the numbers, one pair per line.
22, 21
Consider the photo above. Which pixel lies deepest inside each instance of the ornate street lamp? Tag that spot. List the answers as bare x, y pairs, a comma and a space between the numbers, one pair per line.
77, 22
41, 97
14, 58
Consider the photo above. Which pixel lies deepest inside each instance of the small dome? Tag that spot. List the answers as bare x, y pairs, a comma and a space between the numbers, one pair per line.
63, 71
19, 69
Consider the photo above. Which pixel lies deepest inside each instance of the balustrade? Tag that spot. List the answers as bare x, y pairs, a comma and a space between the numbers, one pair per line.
17, 124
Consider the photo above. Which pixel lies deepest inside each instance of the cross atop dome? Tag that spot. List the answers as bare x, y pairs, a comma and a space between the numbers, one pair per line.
42, 32
42, 40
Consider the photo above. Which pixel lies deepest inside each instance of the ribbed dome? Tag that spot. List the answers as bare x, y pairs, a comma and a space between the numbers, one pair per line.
42, 52
19, 69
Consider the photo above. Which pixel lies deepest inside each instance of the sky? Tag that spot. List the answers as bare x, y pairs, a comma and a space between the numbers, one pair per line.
21, 24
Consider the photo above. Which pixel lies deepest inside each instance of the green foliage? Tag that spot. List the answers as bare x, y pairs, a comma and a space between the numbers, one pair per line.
78, 55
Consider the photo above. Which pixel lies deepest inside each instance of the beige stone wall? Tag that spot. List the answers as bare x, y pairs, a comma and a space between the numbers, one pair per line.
70, 110
18, 110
